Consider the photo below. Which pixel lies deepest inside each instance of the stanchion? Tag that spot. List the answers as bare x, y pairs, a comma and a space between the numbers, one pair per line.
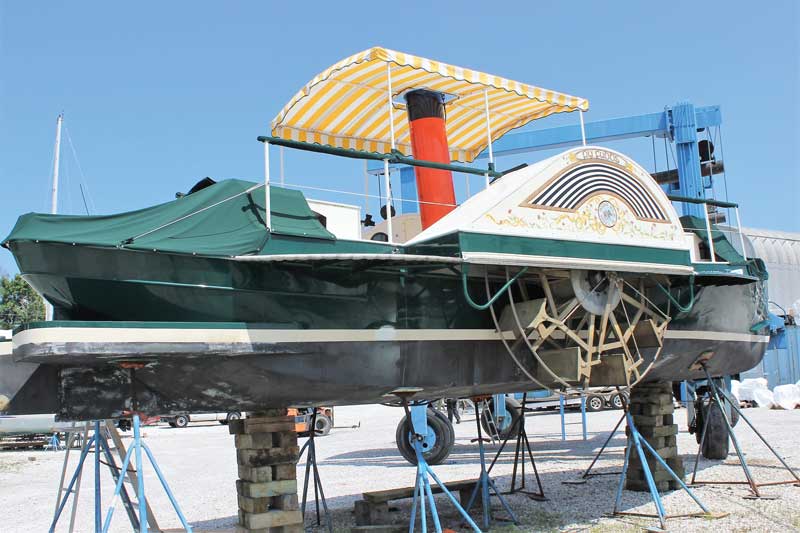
422, 486
718, 402
522, 444
97, 444
136, 449
637, 442
485, 482
311, 466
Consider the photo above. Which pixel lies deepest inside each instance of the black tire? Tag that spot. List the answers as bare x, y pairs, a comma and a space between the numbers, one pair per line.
594, 403
234, 415
172, 424
451, 441
616, 401
322, 426
181, 421
440, 449
514, 409
716, 443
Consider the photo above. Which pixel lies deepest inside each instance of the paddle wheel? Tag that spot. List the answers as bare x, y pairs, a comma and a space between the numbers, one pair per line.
580, 328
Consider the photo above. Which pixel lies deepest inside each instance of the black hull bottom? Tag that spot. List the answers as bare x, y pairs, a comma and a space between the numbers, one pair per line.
311, 373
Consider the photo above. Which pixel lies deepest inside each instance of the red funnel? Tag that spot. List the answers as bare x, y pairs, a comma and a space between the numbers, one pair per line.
429, 143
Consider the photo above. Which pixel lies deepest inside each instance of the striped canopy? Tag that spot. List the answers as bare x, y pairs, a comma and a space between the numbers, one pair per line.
346, 106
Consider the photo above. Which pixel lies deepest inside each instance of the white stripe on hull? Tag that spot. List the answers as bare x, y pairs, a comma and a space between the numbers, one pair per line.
255, 336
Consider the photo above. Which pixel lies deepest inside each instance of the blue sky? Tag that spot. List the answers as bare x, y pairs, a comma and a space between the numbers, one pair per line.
160, 94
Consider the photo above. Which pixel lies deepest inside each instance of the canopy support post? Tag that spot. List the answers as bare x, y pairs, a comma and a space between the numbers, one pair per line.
366, 187
583, 129
488, 133
388, 185
267, 213
281, 161
389, 100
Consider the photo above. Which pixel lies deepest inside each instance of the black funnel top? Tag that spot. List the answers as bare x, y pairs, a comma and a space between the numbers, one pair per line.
423, 104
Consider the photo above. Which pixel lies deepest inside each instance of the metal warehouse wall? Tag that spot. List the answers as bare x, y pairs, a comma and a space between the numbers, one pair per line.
781, 252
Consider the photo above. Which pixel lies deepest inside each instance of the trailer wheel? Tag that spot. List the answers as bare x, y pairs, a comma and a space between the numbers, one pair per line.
323, 425
594, 403
440, 432
181, 421
616, 401
515, 412
717, 442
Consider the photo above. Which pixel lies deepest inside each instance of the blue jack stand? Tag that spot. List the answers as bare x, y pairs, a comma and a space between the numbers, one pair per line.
561, 405
635, 440
311, 466
484, 481
136, 449
422, 487
54, 443
99, 445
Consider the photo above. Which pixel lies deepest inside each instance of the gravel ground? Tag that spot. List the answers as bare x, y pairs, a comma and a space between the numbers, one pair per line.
199, 463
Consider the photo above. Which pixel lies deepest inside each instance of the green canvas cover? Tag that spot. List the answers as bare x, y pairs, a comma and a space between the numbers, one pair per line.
220, 220
723, 248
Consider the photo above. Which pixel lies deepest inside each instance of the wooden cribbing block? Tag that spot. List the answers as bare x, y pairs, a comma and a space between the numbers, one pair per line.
261, 425
282, 439
267, 489
275, 518
286, 502
267, 456
294, 528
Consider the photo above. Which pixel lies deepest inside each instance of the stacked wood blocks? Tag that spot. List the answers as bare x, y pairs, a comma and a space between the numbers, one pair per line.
266, 453
652, 409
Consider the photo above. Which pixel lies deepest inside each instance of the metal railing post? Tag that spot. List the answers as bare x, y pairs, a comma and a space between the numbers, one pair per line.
267, 207
710, 236
741, 235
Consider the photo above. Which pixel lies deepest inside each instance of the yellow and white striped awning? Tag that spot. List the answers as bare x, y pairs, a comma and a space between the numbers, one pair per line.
346, 106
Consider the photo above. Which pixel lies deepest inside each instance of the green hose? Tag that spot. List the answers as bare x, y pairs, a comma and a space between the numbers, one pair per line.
504, 288
676, 303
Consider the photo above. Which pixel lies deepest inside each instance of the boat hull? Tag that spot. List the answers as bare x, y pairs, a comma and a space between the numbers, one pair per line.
182, 375
262, 334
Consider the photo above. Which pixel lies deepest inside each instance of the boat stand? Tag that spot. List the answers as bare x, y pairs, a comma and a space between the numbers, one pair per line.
523, 444
718, 401
311, 466
588, 473
635, 440
97, 444
485, 482
422, 487
136, 449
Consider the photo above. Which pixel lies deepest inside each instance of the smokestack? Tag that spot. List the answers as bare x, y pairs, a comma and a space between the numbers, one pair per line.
429, 142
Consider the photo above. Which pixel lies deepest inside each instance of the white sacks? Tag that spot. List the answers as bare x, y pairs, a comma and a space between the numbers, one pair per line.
748, 387
787, 396
735, 389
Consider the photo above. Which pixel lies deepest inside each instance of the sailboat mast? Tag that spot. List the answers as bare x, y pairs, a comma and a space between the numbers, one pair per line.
54, 192
48, 309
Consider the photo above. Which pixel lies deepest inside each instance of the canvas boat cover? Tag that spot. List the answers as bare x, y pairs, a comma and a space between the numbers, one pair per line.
224, 219
346, 106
